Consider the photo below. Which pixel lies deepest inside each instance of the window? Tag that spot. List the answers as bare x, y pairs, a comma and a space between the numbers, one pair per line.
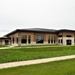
52, 39
24, 39
68, 35
48, 39
6, 42
13, 40
60, 36
17, 39
61, 41
39, 39
29, 39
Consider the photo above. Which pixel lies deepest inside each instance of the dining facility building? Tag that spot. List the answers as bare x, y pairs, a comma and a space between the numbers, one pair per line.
35, 36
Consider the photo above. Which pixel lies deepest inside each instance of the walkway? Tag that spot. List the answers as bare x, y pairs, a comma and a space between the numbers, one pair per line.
7, 47
42, 46
28, 47
37, 61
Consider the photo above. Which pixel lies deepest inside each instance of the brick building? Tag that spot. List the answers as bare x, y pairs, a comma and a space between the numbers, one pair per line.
34, 36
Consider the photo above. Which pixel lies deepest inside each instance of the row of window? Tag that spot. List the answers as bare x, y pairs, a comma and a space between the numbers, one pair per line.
60, 41
13, 40
39, 39
23, 39
51, 39
66, 36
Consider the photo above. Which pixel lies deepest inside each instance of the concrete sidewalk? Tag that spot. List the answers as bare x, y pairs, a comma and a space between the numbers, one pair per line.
7, 47
37, 61
43, 46
27, 47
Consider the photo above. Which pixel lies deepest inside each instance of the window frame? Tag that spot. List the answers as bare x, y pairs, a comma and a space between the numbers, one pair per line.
39, 39
24, 39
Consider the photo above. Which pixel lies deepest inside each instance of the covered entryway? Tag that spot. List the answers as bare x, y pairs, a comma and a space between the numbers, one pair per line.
68, 42
6, 42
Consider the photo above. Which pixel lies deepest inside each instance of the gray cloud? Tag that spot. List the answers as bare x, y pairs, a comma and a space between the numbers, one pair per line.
55, 14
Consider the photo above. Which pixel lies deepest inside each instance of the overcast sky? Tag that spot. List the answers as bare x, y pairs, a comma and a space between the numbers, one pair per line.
52, 14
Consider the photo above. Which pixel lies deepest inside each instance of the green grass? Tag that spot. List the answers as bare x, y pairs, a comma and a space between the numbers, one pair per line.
66, 67
20, 54
3, 46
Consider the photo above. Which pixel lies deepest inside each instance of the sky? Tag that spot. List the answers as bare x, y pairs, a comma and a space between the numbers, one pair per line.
51, 14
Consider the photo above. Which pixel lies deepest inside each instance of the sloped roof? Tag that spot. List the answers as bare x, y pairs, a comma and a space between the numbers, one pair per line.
67, 30
4, 37
42, 30
39, 30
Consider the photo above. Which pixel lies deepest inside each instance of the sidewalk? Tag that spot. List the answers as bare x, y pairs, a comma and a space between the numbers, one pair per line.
29, 47
43, 46
7, 47
37, 61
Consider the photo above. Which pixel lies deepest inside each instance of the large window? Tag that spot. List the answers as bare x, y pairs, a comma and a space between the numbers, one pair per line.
24, 39
39, 39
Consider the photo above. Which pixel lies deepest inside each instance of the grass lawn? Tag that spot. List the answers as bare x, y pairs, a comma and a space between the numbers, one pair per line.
66, 67
3, 46
20, 54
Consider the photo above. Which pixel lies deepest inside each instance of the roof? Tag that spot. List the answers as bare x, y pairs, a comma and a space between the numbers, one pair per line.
39, 30
67, 30
4, 37
42, 30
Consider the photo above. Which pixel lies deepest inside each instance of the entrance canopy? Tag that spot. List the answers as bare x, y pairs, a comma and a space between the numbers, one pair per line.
4, 40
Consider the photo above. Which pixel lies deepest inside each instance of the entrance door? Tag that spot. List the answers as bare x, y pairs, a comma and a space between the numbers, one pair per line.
68, 42
6, 42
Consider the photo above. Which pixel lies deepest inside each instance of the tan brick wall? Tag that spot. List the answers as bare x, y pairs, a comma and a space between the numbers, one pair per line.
66, 33
34, 34
64, 38
11, 36
33, 37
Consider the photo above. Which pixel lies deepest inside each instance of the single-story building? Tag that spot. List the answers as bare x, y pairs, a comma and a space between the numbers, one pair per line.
34, 36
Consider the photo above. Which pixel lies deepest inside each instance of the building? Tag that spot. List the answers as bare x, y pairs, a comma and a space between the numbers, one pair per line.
34, 36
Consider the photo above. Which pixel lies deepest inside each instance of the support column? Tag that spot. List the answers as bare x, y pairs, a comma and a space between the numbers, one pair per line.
27, 39
45, 39
3, 42
19, 39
